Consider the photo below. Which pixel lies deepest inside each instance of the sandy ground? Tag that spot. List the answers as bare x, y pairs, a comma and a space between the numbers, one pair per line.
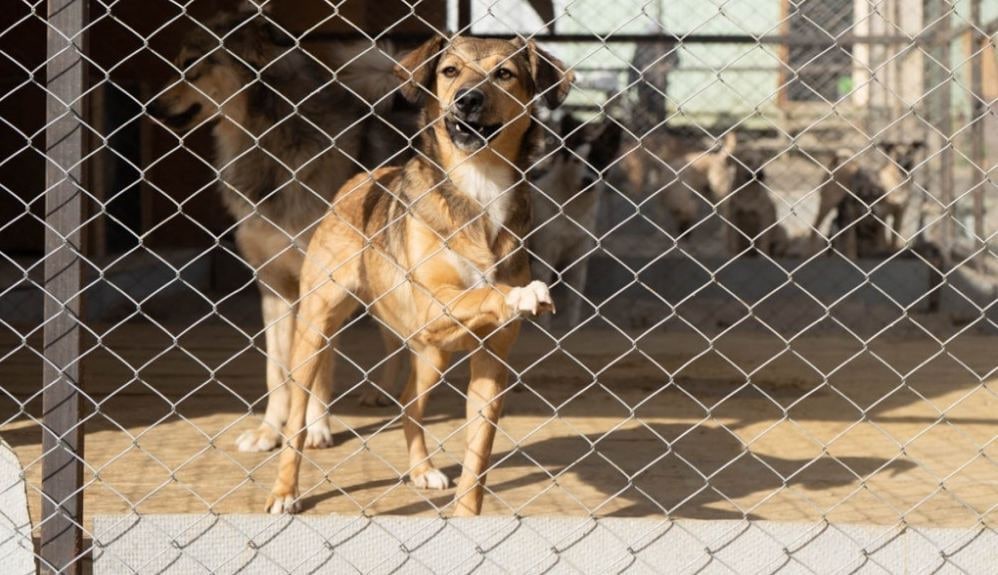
602, 423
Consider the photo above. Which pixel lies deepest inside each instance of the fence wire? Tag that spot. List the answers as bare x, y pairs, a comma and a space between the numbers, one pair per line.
766, 228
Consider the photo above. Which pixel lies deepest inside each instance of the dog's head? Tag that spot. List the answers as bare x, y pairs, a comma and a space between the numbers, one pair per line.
479, 93
748, 173
217, 64
903, 154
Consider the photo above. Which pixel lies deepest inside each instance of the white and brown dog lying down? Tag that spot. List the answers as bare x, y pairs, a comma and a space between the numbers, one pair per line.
434, 249
566, 202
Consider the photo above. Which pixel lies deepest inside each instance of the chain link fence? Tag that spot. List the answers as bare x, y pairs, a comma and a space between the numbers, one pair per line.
766, 226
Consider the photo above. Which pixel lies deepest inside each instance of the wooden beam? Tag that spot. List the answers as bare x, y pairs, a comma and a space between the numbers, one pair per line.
978, 140
464, 16
62, 437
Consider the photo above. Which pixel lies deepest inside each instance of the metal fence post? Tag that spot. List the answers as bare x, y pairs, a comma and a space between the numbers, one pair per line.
62, 438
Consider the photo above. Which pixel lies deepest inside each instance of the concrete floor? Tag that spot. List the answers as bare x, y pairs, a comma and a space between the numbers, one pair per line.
603, 424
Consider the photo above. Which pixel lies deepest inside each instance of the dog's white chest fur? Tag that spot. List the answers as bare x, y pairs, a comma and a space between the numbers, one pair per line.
492, 186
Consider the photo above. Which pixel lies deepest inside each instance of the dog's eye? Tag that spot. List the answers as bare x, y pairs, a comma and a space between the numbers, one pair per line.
449, 72
503, 74
185, 66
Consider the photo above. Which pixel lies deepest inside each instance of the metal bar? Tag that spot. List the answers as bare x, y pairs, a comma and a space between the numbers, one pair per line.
783, 53
844, 41
464, 16
62, 438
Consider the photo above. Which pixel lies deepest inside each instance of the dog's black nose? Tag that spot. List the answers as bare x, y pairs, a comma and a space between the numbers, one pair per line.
469, 101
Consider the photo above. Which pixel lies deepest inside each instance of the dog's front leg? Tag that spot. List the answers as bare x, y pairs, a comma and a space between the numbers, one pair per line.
279, 327
428, 364
485, 399
459, 317
546, 256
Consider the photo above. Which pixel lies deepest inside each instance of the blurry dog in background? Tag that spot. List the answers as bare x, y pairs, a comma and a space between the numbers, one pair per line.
863, 196
750, 212
894, 178
274, 112
694, 181
566, 201
858, 227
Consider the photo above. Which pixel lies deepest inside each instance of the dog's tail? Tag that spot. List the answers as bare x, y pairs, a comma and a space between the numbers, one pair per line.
367, 69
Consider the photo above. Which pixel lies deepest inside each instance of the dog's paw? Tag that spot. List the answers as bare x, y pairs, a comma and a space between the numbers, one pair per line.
279, 503
531, 299
319, 436
263, 438
430, 479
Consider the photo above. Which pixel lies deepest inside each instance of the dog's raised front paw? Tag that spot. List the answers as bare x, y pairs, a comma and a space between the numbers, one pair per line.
319, 436
263, 438
279, 503
430, 479
531, 299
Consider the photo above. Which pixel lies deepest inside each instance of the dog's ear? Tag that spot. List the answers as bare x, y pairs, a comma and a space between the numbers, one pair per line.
416, 69
552, 81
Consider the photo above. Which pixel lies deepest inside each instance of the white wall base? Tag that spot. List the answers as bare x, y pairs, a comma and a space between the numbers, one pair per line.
17, 555
388, 544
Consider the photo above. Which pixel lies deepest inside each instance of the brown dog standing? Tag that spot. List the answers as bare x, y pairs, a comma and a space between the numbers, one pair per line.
434, 248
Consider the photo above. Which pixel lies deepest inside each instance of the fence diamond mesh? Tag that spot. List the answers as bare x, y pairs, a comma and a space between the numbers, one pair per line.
765, 226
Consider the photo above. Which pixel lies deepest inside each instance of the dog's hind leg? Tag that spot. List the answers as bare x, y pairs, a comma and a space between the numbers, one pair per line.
428, 364
321, 313
385, 385
485, 398
278, 325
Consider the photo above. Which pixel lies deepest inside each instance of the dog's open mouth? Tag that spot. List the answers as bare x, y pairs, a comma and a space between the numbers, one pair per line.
181, 120
468, 134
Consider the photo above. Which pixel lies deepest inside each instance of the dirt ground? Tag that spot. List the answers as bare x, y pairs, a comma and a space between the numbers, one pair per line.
603, 423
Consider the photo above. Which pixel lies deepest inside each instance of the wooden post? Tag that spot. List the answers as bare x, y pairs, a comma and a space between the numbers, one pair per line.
62, 437
978, 153
464, 16
945, 125
783, 53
